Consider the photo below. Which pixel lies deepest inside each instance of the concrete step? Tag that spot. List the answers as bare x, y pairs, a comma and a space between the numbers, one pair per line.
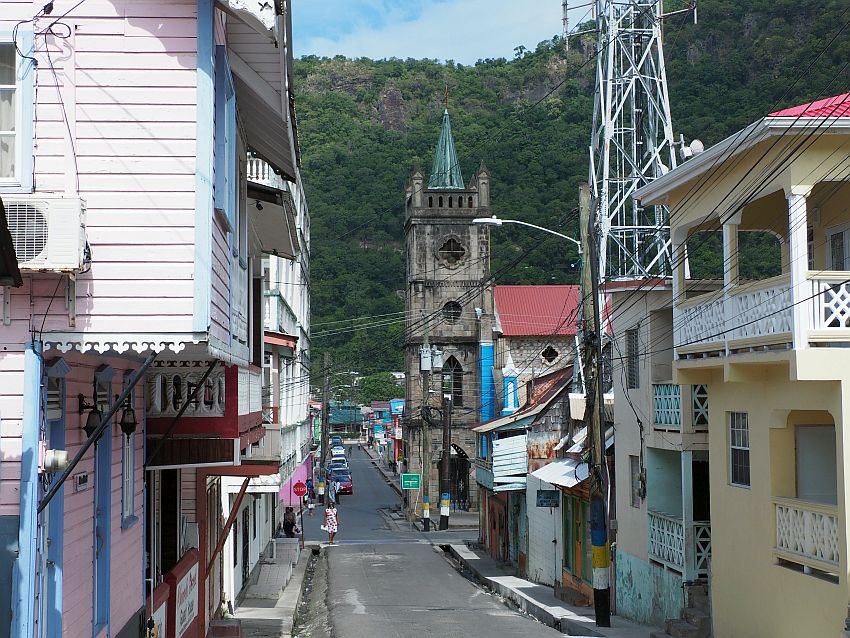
681, 629
701, 602
699, 619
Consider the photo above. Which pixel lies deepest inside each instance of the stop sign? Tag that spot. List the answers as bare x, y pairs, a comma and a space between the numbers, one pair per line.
299, 489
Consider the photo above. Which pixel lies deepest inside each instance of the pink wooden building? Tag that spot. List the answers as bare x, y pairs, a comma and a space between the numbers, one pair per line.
130, 265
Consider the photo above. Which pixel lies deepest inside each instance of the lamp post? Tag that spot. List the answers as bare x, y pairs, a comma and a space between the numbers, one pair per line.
496, 221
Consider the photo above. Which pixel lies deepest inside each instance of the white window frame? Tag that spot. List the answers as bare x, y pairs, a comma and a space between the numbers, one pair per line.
739, 440
22, 181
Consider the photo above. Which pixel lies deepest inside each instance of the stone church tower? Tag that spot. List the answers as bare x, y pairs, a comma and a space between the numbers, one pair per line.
449, 305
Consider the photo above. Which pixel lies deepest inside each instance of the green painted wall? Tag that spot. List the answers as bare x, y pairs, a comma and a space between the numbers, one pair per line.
647, 593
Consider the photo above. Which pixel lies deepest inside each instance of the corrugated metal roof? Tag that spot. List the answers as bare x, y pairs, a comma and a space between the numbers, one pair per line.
537, 310
836, 106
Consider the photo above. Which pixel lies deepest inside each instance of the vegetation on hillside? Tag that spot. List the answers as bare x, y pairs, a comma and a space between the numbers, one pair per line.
365, 124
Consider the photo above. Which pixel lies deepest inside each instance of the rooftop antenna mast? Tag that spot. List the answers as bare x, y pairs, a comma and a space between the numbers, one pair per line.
632, 140
566, 22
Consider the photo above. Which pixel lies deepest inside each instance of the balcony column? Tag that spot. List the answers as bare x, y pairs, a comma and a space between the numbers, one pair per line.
798, 261
690, 548
730, 253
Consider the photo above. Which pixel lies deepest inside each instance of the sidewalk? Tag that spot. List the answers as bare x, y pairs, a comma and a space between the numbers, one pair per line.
539, 600
458, 519
267, 606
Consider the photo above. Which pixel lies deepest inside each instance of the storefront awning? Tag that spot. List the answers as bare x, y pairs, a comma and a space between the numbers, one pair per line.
563, 472
510, 422
280, 339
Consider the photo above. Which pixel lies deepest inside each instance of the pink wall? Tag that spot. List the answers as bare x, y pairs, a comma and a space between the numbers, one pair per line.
301, 474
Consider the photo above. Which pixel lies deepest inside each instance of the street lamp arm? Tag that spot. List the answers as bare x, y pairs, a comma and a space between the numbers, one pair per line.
495, 221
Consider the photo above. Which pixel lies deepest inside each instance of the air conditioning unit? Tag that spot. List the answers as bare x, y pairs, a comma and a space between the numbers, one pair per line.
48, 231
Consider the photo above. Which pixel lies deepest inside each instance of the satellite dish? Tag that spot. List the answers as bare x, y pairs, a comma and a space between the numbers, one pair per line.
697, 147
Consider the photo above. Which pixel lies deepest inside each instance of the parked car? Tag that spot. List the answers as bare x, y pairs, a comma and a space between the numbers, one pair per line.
338, 464
336, 439
338, 451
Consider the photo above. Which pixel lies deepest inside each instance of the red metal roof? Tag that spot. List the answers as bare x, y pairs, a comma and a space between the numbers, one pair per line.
537, 310
836, 106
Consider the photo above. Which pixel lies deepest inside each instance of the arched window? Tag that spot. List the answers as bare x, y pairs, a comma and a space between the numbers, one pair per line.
430, 202
440, 201
450, 201
452, 311
453, 380
470, 201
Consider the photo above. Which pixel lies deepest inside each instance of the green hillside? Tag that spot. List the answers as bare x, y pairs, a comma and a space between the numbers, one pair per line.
364, 124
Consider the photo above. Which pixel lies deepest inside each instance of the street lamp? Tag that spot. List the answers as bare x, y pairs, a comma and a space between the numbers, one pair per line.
495, 221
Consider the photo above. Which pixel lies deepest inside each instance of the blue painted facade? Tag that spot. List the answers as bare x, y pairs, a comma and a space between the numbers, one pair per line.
204, 163
24, 581
488, 386
510, 397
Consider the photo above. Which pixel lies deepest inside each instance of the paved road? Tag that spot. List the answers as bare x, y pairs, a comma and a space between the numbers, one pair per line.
388, 580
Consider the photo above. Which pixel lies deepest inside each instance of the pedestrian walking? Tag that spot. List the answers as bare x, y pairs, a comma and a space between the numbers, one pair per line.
337, 493
289, 521
331, 521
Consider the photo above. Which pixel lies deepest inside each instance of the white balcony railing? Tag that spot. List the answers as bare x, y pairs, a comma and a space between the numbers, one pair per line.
278, 315
807, 533
753, 314
830, 307
667, 544
667, 405
667, 540
260, 172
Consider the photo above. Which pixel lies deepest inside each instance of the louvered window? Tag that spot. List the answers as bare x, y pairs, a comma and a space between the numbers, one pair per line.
632, 368
53, 409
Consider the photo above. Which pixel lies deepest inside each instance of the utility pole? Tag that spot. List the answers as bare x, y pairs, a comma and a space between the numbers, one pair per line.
445, 468
592, 356
425, 372
326, 415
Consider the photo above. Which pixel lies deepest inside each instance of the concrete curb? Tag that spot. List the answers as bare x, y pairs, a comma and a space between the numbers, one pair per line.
558, 619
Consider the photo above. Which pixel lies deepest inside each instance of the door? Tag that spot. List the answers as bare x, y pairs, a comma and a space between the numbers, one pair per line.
817, 475
246, 547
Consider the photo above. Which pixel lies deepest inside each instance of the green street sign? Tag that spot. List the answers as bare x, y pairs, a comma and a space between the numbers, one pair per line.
411, 481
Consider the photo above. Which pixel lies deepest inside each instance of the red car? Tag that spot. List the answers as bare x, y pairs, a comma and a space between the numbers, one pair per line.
346, 486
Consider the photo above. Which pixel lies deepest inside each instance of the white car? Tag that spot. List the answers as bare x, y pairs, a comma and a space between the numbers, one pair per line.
338, 451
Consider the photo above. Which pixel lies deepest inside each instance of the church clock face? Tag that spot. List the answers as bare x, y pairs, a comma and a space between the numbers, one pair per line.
451, 252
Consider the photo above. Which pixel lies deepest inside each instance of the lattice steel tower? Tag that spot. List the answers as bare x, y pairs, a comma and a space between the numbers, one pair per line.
632, 141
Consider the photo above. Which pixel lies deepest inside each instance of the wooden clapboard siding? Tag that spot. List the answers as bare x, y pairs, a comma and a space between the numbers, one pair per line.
188, 495
220, 298
11, 423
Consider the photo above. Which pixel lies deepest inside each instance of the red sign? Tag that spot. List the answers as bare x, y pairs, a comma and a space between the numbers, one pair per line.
299, 489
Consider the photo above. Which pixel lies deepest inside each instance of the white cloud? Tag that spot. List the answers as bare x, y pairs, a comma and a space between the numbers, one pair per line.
460, 30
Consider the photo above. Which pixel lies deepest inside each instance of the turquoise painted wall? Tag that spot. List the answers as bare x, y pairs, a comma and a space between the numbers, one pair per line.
647, 593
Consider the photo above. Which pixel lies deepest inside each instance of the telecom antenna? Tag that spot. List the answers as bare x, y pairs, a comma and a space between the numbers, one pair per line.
632, 139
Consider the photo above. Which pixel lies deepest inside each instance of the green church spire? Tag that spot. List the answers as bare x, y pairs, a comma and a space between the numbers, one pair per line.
446, 171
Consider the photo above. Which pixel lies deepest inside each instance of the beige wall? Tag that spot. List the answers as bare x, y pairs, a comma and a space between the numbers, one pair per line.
751, 594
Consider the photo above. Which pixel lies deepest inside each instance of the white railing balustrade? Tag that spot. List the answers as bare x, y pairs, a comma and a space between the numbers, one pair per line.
830, 303
807, 533
667, 540
250, 391
260, 172
667, 404
696, 322
760, 309
702, 542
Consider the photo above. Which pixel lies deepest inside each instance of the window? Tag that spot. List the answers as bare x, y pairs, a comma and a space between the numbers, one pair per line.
739, 449
128, 471
453, 380
254, 519
452, 311
451, 252
632, 370
549, 354
16, 104
634, 472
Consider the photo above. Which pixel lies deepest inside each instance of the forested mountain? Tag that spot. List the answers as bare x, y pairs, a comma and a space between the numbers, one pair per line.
364, 124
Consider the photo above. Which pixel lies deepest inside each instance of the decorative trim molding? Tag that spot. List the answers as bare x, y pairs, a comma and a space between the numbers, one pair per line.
56, 368
118, 342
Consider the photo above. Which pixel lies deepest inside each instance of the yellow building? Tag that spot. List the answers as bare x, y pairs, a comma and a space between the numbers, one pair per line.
773, 353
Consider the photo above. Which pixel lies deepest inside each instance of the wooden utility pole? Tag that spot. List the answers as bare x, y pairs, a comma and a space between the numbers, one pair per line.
592, 358
425, 372
445, 468
326, 416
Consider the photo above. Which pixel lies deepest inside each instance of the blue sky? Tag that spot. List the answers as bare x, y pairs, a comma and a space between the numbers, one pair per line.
459, 30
